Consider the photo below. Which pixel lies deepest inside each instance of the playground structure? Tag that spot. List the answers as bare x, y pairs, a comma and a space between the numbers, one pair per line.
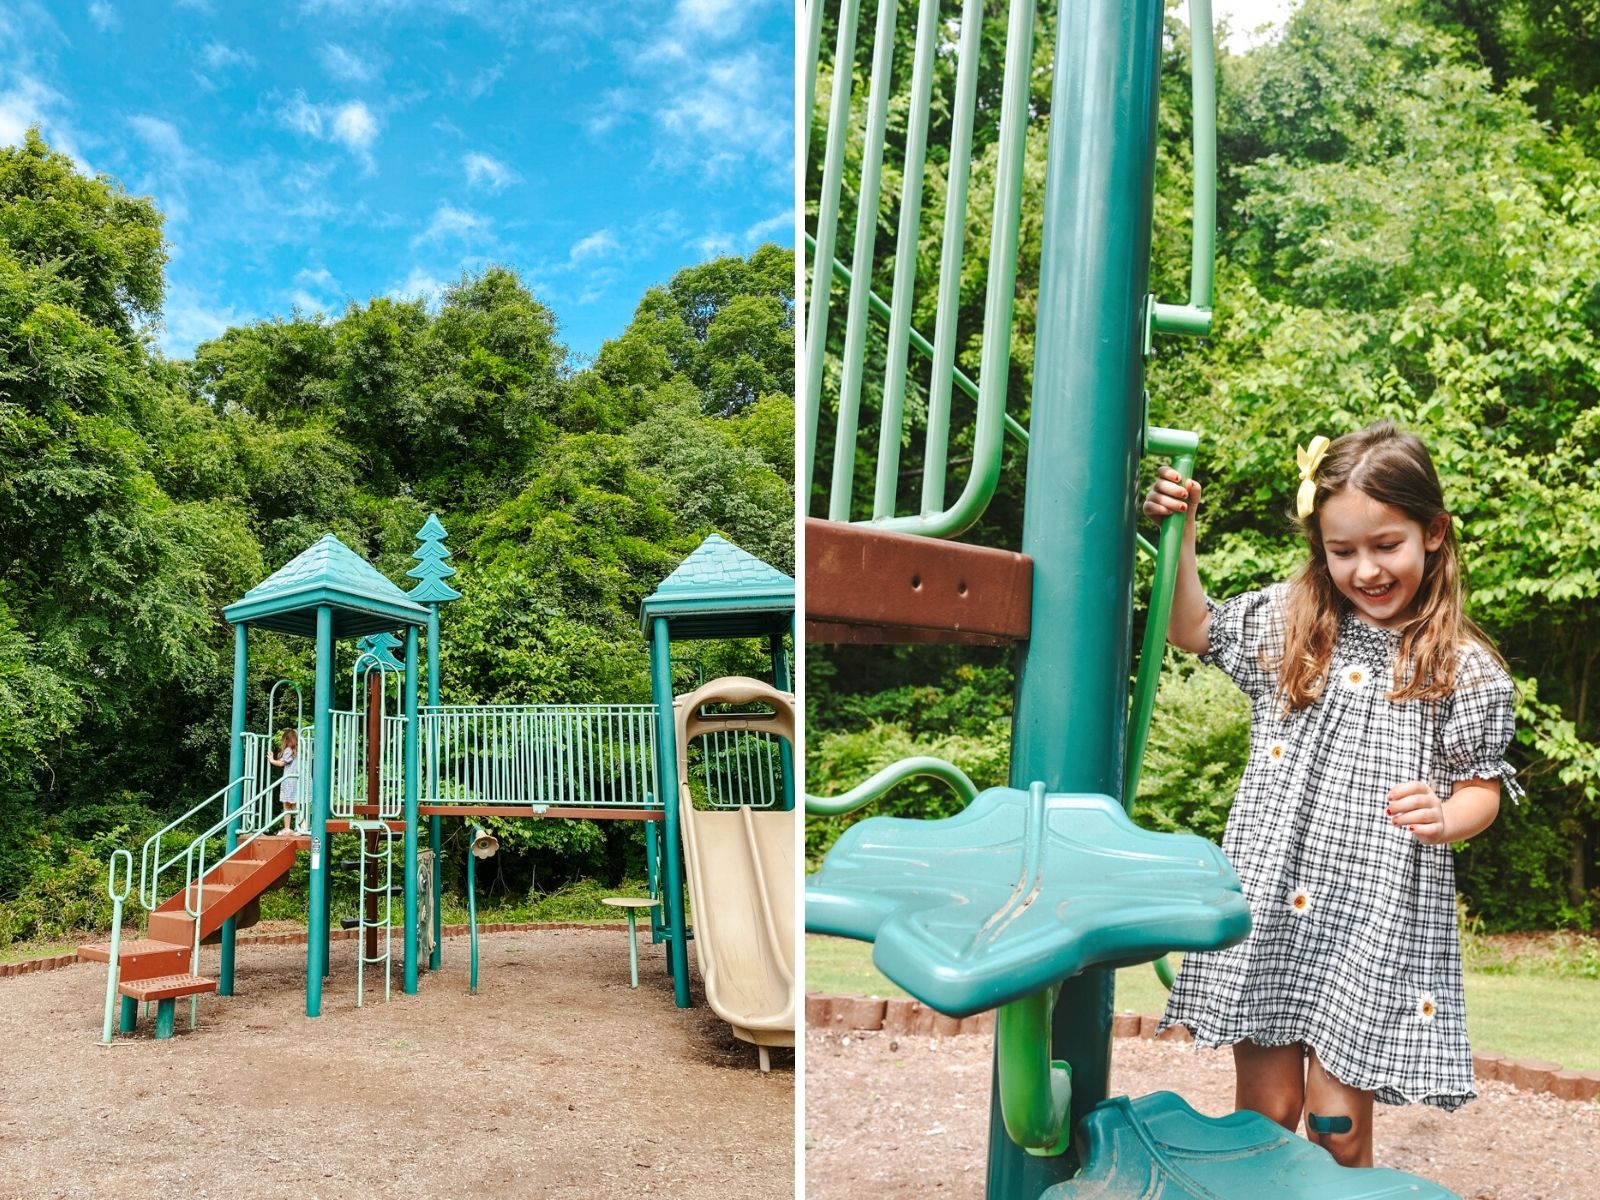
1026, 900
389, 769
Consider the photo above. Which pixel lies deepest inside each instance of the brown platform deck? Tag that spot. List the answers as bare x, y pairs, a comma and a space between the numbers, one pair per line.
869, 587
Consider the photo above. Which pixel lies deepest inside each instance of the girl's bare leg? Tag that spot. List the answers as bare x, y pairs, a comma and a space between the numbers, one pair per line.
1338, 1116
1270, 1080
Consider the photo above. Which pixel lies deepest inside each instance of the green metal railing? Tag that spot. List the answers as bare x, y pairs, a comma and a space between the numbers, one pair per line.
991, 422
382, 895
543, 756
935, 517
736, 768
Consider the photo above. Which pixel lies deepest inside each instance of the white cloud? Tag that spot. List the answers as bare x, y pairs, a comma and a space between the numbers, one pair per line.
351, 125
302, 116
451, 222
190, 319
162, 137
30, 102
105, 17
716, 18
490, 172
321, 277
782, 222
355, 126
418, 285
599, 244
712, 245
345, 66
216, 55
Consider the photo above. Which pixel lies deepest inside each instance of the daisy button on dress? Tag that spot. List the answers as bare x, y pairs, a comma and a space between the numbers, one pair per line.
1352, 947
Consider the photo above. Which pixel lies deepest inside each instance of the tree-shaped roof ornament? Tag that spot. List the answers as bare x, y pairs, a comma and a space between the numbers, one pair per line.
382, 646
431, 567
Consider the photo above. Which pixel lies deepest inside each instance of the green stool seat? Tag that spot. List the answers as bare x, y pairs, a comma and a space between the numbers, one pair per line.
1018, 892
1157, 1146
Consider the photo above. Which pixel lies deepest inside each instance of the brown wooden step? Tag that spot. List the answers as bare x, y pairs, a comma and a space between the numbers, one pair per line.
209, 896
868, 586
171, 927
166, 987
140, 958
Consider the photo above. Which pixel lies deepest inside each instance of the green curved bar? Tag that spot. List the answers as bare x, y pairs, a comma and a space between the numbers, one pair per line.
1164, 972
1035, 1091
1194, 318
1181, 446
865, 793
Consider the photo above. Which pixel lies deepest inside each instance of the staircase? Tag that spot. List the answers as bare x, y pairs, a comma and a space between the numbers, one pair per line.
158, 967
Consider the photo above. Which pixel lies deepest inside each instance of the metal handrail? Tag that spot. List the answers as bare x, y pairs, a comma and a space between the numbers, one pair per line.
150, 853
865, 793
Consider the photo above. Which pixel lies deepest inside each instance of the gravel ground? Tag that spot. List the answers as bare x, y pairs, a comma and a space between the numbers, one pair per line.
555, 1080
896, 1116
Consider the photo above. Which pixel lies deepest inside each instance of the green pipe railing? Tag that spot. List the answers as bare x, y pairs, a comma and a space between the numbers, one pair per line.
1035, 1090
1180, 446
117, 898
1194, 318
865, 793
935, 519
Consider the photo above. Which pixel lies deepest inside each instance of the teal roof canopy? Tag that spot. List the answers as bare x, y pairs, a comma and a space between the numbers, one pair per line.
326, 573
720, 591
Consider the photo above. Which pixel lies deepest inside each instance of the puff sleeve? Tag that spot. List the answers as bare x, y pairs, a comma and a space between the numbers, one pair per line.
1246, 634
1477, 725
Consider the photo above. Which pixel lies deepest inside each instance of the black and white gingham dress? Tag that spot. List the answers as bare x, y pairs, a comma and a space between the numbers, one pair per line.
1352, 948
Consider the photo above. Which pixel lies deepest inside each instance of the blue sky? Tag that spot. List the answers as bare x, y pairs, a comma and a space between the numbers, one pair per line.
311, 152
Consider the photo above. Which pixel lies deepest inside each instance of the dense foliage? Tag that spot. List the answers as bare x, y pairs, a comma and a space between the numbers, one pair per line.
1409, 227
139, 495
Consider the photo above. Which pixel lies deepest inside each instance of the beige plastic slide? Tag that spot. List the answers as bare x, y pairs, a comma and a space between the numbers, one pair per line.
741, 868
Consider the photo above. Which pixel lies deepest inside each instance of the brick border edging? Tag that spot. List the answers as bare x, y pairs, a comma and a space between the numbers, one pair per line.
903, 1015
55, 961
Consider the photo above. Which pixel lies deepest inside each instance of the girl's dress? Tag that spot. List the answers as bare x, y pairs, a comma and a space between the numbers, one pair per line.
1352, 947
291, 777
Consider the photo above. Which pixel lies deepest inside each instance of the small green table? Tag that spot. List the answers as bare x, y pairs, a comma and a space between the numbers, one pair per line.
631, 905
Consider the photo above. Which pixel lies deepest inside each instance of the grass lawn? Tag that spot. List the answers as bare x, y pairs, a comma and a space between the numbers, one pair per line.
1526, 1014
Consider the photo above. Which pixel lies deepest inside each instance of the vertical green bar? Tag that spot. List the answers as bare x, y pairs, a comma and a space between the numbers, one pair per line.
667, 771
1078, 526
780, 680
411, 813
321, 796
241, 662
435, 828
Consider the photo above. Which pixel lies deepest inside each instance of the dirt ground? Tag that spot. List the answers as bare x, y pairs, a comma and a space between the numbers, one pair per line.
555, 1080
893, 1116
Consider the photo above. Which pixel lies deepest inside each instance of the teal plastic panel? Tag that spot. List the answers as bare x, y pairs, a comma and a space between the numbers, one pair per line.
1018, 892
1157, 1146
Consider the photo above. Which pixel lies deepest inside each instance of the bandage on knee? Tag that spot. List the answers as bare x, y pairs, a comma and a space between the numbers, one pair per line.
1318, 1124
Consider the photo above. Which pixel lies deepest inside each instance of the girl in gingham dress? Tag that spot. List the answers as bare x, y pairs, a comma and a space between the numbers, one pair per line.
1379, 719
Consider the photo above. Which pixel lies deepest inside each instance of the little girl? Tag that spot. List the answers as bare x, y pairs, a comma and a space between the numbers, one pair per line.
1379, 719
291, 775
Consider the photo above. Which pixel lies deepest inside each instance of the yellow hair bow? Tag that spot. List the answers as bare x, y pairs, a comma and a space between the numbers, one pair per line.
1309, 458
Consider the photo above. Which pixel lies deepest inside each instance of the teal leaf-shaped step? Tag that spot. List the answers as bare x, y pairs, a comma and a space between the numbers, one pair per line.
1019, 891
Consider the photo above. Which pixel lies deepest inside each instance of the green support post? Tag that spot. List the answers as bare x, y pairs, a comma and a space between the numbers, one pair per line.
321, 800
780, 680
411, 812
1085, 436
652, 850
435, 830
667, 773
241, 662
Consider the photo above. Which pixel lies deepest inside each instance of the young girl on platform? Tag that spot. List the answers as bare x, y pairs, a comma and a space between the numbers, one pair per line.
291, 774
1379, 719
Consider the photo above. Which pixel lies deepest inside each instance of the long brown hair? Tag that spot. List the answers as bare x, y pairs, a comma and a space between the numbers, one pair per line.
1393, 468
291, 740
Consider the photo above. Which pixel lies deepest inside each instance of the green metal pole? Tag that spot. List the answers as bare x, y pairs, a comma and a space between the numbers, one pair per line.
435, 833
472, 914
652, 849
780, 680
411, 812
321, 799
241, 662
667, 772
1085, 434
